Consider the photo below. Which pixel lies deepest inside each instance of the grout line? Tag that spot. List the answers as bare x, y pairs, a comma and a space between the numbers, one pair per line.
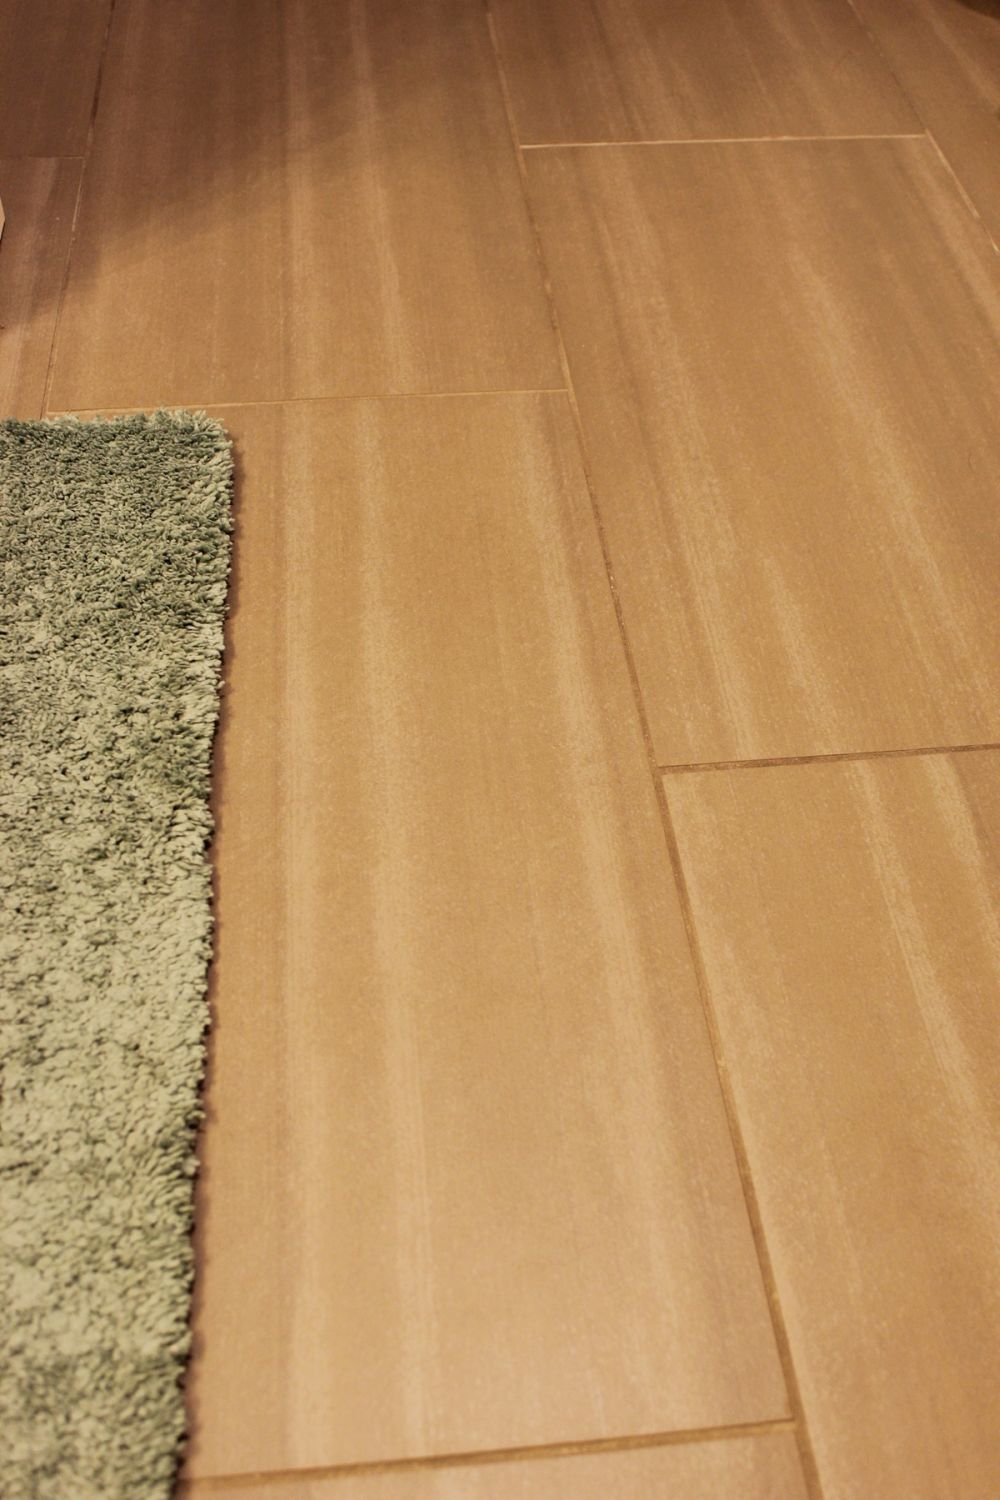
779, 1330
679, 768
717, 140
929, 134
538, 1451
41, 156
807, 1457
960, 185
89, 411
84, 162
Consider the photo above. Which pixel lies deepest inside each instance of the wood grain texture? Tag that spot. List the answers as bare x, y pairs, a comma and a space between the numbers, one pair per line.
785, 360
468, 1181
946, 55
748, 1468
38, 201
317, 216
629, 70
849, 917
50, 53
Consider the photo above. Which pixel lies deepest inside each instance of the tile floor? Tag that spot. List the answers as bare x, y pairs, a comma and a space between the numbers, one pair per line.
603, 1086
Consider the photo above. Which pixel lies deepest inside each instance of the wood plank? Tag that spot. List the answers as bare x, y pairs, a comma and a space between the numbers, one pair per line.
316, 217
630, 70
946, 54
39, 198
849, 916
50, 54
762, 1467
785, 359
468, 1182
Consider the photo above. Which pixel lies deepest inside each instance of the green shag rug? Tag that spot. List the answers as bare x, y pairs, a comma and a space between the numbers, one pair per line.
114, 550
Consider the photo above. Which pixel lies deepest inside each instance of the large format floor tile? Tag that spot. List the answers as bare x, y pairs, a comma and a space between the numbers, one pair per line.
623, 70
468, 1180
785, 359
38, 200
946, 54
746, 1468
849, 918
50, 52
317, 216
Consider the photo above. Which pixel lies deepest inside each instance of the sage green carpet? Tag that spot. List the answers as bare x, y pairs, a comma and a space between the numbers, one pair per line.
114, 549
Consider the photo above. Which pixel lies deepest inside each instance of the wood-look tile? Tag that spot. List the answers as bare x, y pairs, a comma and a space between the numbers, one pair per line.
305, 200
764, 1467
785, 356
50, 55
946, 55
38, 201
849, 917
468, 1181
625, 70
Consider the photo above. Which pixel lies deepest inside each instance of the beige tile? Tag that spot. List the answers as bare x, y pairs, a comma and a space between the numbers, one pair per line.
746, 1468
49, 59
849, 916
946, 55
626, 70
785, 358
468, 1178
313, 200
38, 201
